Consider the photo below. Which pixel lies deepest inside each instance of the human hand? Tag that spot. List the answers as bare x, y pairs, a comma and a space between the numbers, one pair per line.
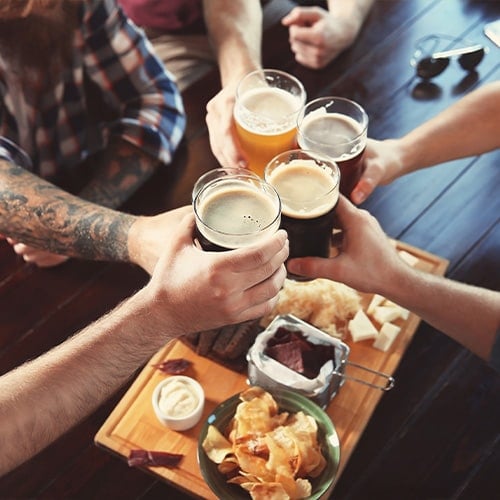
203, 290
41, 258
149, 236
367, 260
318, 36
223, 140
382, 164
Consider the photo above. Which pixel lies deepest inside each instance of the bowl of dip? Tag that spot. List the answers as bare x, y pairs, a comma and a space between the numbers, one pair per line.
178, 402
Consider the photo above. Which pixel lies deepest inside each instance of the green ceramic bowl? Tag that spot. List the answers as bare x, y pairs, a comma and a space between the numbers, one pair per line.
289, 401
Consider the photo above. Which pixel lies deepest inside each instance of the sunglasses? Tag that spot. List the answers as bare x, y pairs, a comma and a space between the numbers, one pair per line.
430, 62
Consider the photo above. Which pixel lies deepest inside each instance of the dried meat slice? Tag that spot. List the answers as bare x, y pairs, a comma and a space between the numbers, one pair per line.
138, 458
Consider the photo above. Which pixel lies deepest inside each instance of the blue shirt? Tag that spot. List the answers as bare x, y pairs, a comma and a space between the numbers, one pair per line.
110, 51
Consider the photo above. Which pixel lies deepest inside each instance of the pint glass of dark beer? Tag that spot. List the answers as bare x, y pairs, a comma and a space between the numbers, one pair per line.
338, 128
235, 210
308, 185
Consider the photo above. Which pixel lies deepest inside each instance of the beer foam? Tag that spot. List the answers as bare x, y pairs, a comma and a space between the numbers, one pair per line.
335, 134
306, 189
236, 215
267, 110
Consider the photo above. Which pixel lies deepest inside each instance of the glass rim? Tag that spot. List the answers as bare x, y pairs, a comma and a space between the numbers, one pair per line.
256, 180
357, 106
266, 71
313, 155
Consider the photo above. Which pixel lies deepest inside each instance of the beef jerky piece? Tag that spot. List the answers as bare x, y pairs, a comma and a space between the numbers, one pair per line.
153, 458
241, 340
225, 335
206, 341
174, 366
288, 354
191, 339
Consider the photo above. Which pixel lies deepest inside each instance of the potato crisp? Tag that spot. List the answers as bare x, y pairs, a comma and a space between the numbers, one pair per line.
270, 454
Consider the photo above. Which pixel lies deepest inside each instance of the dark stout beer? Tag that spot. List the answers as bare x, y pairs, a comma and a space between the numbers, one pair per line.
235, 211
309, 191
337, 128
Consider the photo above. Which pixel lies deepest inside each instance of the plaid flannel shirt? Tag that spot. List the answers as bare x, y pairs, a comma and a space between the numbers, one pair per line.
110, 51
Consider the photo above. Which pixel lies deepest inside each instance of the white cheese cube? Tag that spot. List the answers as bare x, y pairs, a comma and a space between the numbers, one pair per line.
385, 314
361, 328
403, 313
386, 336
408, 257
376, 301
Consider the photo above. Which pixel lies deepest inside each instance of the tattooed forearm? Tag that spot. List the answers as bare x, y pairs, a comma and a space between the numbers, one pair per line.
44, 216
119, 171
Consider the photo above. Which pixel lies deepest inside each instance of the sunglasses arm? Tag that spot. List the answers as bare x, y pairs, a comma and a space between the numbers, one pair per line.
457, 52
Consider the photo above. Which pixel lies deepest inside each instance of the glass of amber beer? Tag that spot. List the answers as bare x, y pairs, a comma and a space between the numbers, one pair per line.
308, 185
235, 210
265, 114
336, 127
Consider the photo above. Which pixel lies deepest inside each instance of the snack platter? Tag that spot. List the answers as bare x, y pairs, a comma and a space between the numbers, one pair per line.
133, 425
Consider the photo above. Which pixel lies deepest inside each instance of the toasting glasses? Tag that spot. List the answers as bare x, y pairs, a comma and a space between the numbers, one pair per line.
429, 61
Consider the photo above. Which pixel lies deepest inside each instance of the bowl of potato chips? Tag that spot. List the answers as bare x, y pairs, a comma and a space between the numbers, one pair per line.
264, 445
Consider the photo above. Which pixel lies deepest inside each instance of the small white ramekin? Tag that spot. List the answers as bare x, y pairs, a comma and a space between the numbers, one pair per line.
186, 421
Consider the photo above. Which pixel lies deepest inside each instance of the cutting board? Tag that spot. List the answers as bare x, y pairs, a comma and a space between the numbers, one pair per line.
133, 424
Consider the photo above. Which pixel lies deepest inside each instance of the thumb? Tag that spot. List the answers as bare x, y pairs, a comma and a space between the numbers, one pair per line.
301, 16
314, 267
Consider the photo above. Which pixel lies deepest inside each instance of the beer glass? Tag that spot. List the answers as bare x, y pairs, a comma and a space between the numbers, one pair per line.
265, 114
336, 127
233, 211
308, 185
217, 173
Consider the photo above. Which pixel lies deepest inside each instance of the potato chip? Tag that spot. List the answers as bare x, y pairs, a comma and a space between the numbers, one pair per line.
269, 454
216, 446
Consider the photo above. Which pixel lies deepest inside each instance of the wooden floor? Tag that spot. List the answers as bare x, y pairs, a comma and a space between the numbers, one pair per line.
436, 435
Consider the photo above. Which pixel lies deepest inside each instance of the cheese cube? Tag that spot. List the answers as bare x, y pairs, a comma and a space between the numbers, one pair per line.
408, 257
376, 301
386, 336
385, 314
361, 328
403, 313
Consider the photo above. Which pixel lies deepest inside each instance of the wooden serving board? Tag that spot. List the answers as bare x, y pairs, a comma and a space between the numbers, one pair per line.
133, 424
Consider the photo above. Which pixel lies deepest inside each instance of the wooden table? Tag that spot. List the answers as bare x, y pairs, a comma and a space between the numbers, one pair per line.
437, 434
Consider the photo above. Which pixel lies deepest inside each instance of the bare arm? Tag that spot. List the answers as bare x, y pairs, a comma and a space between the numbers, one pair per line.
190, 291
369, 263
236, 35
467, 128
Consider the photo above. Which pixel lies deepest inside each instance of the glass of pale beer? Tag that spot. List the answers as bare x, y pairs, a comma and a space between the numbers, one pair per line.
265, 113
308, 185
235, 210
338, 128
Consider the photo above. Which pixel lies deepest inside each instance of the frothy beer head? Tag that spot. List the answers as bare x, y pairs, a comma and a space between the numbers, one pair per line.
307, 188
237, 212
267, 110
339, 136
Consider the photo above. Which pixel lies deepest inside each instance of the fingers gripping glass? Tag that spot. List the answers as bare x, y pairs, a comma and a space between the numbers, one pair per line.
430, 60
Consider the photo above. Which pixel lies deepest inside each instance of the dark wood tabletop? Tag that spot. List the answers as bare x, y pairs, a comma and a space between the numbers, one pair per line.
436, 435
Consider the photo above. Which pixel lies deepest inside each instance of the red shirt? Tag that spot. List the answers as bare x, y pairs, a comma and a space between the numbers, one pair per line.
175, 16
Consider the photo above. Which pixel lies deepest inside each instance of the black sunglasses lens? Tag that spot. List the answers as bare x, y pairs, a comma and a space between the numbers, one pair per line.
471, 60
429, 67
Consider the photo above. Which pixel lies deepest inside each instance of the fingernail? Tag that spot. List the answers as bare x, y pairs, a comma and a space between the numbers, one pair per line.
358, 196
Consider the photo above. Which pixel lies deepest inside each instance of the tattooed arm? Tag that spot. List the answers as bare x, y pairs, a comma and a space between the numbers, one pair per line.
119, 171
46, 217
